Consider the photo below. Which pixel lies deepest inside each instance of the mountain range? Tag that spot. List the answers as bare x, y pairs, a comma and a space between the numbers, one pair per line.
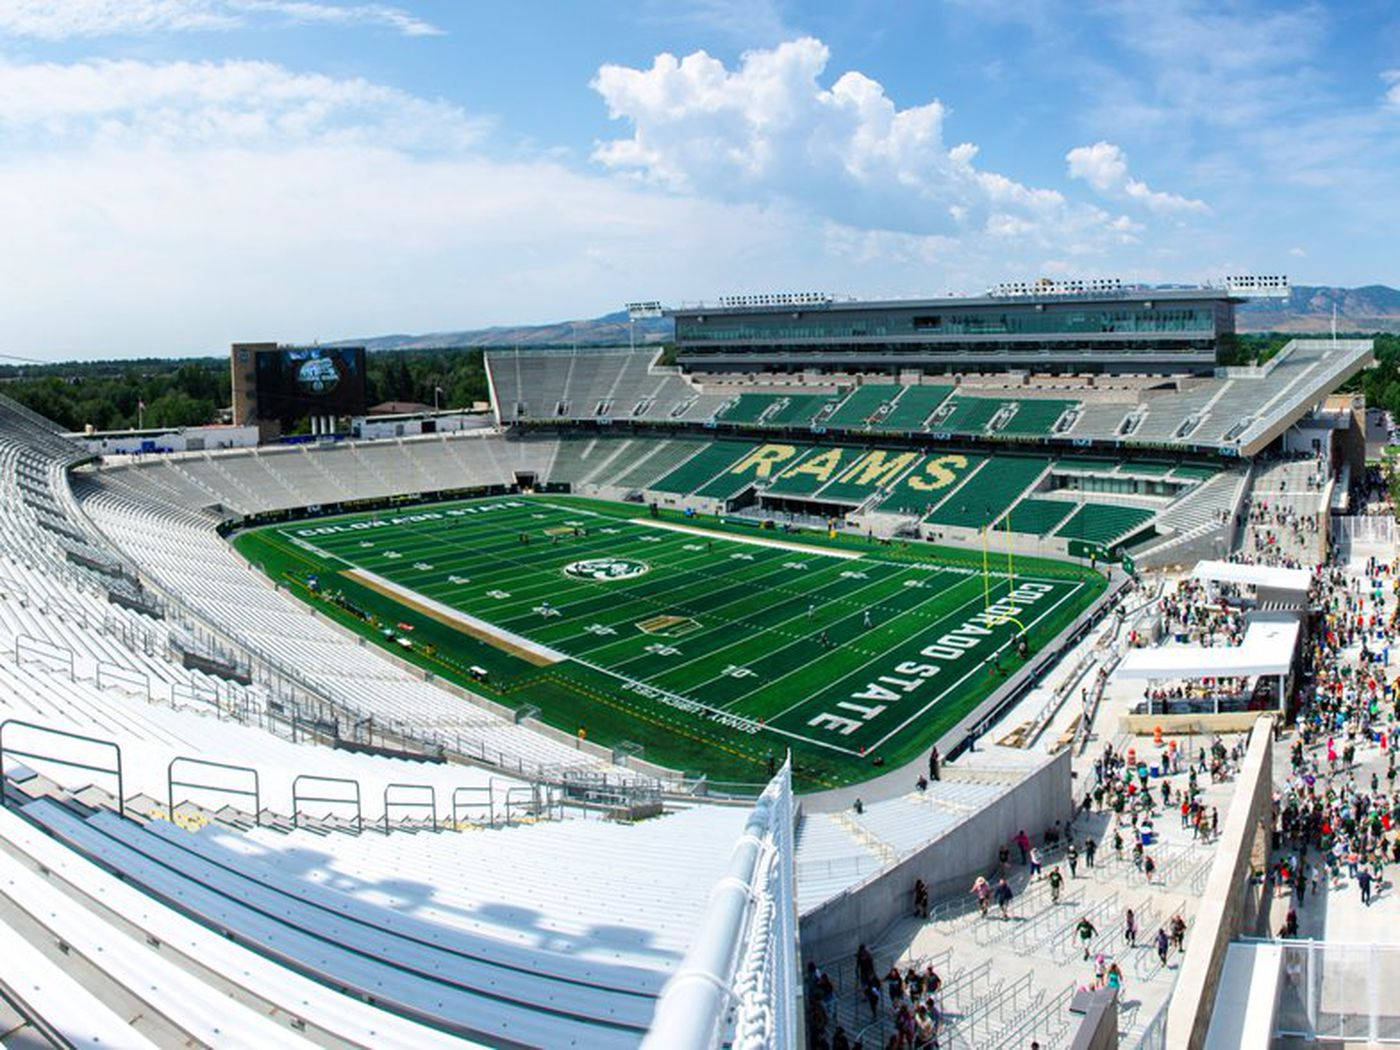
1308, 309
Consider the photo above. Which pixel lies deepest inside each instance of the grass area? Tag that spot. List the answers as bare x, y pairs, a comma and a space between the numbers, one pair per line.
710, 643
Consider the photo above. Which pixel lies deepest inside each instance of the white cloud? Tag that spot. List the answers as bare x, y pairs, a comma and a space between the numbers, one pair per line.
52, 105
1298, 253
50, 20
769, 131
1104, 167
1392, 95
176, 207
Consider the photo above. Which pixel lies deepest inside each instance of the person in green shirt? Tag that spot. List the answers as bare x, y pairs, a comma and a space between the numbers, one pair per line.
1086, 932
1056, 881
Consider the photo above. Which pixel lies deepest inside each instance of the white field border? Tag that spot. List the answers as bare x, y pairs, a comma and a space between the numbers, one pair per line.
757, 541
442, 611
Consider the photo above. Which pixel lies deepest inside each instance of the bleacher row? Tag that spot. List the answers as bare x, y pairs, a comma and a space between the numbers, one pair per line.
949, 489
1229, 411
172, 876
1034, 495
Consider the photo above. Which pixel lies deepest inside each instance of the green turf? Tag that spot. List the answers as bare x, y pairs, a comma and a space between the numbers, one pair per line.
713, 656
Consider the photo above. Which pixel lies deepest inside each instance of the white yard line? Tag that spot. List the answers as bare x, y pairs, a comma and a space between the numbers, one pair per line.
473, 625
757, 541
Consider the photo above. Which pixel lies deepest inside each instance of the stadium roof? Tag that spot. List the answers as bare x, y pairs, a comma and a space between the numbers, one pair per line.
1269, 642
1125, 294
1262, 577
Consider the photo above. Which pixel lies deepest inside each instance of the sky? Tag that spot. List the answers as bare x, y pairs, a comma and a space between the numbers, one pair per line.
176, 175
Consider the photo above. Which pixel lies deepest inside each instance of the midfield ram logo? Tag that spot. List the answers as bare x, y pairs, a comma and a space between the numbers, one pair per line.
606, 569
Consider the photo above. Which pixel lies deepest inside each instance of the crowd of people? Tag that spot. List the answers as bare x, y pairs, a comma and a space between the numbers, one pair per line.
1191, 615
1336, 810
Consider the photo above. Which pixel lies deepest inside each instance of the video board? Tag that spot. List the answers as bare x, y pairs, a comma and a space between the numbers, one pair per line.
293, 382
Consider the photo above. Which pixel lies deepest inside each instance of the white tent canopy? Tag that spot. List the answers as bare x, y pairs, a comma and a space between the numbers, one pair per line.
1267, 649
1262, 577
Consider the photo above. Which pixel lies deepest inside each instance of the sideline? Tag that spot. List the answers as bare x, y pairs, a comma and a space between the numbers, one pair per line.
515, 644
757, 541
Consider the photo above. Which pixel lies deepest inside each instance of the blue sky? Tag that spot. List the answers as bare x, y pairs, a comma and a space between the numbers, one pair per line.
179, 174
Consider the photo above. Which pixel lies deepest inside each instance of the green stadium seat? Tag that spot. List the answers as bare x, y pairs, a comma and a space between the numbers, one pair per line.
1103, 523
861, 404
1036, 517
914, 407
983, 498
968, 415
1037, 416
702, 467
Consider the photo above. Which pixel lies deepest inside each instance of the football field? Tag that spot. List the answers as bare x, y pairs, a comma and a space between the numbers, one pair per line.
704, 647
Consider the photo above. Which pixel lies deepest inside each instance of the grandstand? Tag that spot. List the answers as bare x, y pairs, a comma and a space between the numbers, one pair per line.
298, 740
1238, 411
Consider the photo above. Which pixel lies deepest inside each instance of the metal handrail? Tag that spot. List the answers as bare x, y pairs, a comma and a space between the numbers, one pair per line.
457, 806
532, 799
121, 792
298, 797
431, 804
39, 645
171, 782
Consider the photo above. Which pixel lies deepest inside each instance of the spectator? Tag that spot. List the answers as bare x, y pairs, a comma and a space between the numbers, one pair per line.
982, 890
1085, 931
1004, 895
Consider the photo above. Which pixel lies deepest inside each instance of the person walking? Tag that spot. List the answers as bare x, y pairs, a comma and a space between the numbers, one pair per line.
1178, 932
1072, 858
1363, 880
1056, 882
1130, 928
920, 899
1162, 944
1023, 843
982, 890
1004, 896
1090, 848
1035, 862
1085, 931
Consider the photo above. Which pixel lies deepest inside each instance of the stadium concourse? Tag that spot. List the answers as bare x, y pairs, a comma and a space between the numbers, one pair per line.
247, 806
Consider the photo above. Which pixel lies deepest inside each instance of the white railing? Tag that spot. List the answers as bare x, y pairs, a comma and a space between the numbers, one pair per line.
741, 972
1339, 991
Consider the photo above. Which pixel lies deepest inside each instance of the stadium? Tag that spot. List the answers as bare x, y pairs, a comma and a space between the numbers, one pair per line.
626, 712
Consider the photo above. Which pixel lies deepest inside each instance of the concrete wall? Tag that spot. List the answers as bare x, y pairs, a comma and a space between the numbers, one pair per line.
1177, 725
1098, 1026
947, 865
1230, 902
